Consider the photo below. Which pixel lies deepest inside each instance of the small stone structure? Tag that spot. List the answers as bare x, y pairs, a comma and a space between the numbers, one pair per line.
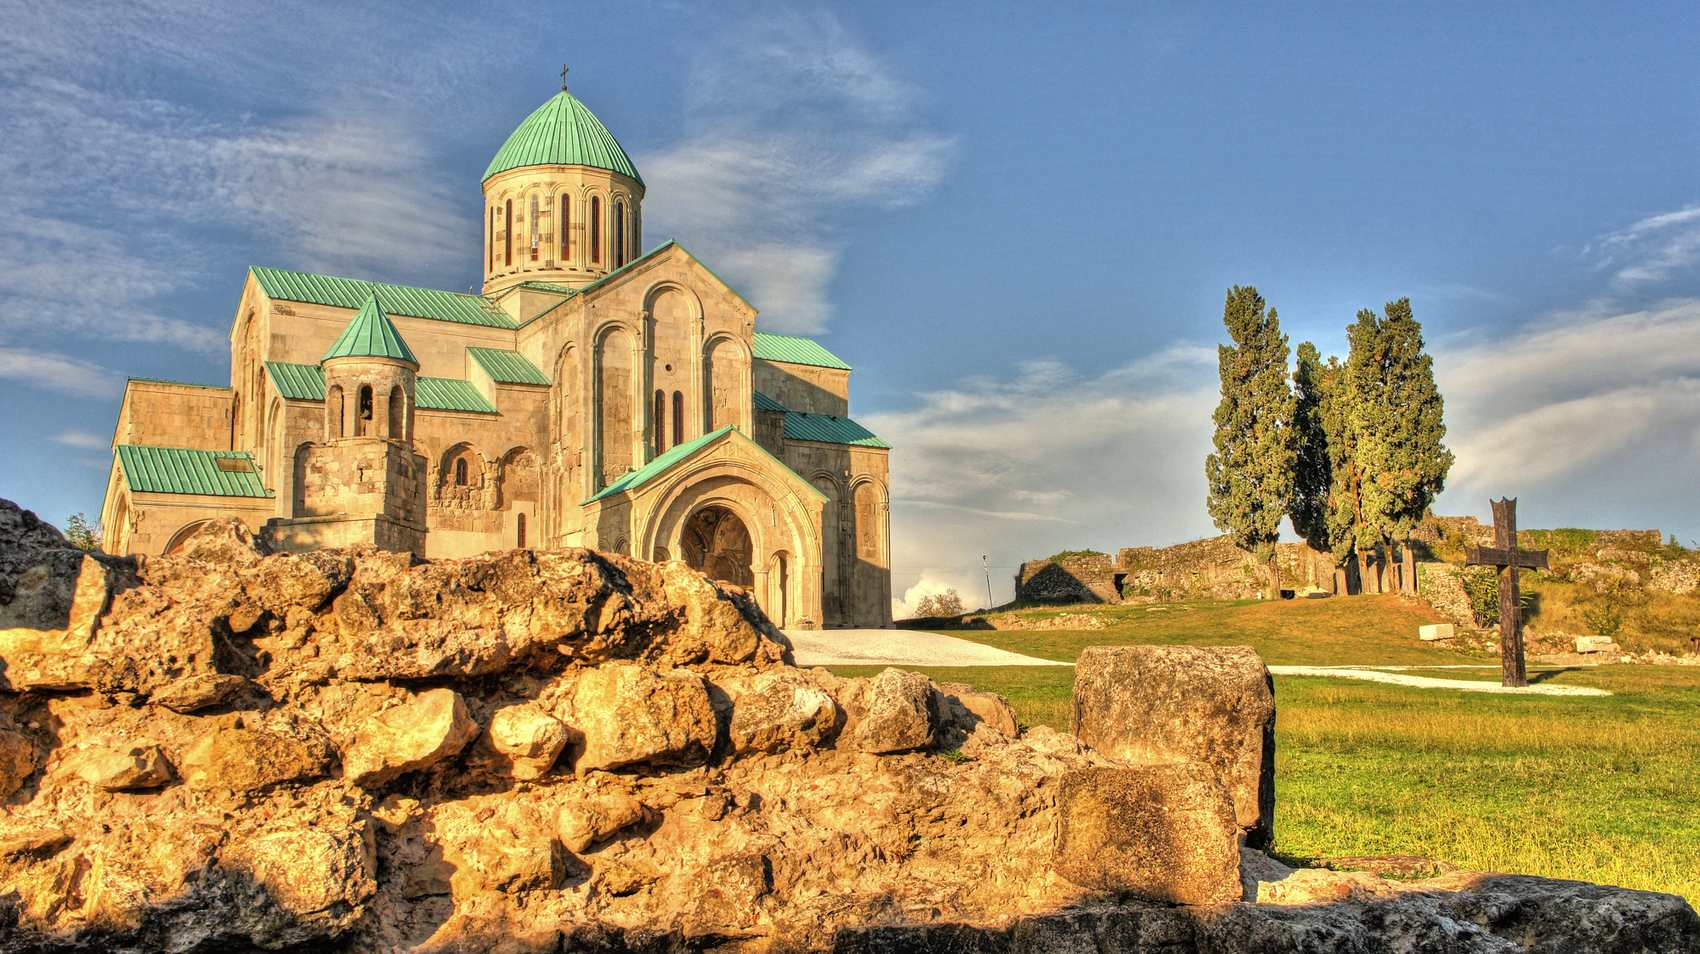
563, 750
1072, 578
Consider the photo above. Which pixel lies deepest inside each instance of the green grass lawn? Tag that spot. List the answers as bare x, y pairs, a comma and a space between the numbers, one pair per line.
1597, 789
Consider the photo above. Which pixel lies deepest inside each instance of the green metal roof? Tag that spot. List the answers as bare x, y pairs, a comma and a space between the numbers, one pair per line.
802, 426
336, 292
792, 349
298, 382
507, 367
765, 403
549, 287
182, 470
449, 394
370, 334
633, 479
562, 132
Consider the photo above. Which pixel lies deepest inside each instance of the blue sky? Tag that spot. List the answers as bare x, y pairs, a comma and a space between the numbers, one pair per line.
1019, 229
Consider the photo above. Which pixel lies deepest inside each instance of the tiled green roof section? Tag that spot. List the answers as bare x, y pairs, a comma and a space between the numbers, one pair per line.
794, 350
298, 382
182, 470
507, 367
801, 426
562, 132
633, 479
449, 394
765, 403
370, 334
396, 299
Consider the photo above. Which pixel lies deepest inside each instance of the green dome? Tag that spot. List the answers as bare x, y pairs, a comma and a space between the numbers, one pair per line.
564, 132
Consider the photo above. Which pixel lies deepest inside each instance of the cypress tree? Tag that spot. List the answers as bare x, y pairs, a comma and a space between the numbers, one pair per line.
1313, 470
1398, 416
1250, 475
1364, 415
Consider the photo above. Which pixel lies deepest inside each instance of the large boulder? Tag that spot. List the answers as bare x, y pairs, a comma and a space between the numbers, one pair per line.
1164, 832
531, 738
898, 713
633, 715
1158, 705
295, 885
780, 709
418, 733
240, 758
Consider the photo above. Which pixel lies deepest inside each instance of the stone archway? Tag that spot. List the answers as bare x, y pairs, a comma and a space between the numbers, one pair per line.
716, 542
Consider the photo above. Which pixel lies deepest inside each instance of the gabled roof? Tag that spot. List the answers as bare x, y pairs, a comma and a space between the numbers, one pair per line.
620, 272
430, 303
562, 132
507, 367
449, 394
802, 426
633, 479
370, 334
306, 382
793, 349
183, 470
297, 382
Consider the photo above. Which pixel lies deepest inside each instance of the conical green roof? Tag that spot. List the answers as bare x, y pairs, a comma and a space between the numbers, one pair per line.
563, 131
370, 334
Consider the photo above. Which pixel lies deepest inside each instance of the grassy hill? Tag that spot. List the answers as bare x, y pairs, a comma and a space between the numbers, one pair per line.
1598, 789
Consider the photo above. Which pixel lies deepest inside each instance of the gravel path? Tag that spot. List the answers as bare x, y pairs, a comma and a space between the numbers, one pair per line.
898, 647
904, 647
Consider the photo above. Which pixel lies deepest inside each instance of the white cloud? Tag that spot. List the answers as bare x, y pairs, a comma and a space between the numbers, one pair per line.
81, 439
58, 372
791, 122
1652, 249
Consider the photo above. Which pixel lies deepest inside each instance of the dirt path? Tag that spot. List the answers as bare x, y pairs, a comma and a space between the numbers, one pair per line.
1432, 682
898, 647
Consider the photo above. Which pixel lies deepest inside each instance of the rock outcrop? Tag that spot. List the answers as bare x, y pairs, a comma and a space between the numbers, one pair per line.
226, 749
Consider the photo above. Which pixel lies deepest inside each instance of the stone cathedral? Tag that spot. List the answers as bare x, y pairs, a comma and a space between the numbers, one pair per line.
591, 396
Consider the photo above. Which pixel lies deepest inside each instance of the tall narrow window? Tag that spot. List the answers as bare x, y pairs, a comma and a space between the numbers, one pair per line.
619, 234
460, 472
363, 413
492, 265
565, 230
534, 236
660, 421
678, 418
596, 230
508, 235
520, 523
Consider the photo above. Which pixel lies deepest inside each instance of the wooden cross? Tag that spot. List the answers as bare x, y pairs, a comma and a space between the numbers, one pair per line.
1508, 559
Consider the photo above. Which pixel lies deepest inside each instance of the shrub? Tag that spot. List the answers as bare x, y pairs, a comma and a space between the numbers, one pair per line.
1481, 584
941, 604
1075, 554
1609, 603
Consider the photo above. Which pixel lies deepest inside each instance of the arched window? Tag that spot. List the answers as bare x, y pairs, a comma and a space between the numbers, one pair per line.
398, 414
460, 472
363, 415
619, 234
520, 525
565, 230
508, 236
534, 236
660, 421
678, 418
596, 230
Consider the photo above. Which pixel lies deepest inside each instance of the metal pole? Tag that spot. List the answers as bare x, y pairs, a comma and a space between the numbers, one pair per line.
988, 571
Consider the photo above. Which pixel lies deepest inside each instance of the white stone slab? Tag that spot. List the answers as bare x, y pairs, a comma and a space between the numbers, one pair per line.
1595, 644
1433, 632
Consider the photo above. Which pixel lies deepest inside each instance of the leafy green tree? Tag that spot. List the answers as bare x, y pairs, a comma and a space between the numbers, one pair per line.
1344, 505
1397, 415
1362, 409
82, 534
1250, 475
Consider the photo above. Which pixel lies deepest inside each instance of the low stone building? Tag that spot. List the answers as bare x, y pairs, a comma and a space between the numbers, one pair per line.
1084, 577
589, 396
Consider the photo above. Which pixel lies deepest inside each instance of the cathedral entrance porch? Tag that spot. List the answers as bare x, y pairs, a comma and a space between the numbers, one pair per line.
716, 542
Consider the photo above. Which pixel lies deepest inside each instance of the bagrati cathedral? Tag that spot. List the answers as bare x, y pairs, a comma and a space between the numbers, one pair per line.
591, 396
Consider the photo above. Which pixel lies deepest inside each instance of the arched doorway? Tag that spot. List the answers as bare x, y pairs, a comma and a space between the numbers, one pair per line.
716, 542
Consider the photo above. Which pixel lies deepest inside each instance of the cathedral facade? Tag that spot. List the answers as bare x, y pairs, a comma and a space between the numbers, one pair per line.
590, 396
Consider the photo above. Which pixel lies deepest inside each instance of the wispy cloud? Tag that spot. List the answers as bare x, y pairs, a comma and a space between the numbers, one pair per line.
80, 439
1651, 250
58, 372
791, 123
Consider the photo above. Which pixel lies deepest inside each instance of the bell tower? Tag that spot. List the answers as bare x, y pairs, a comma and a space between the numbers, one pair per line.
562, 200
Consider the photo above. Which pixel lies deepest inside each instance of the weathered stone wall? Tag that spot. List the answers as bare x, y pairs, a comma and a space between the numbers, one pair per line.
803, 387
1213, 568
1078, 578
174, 415
1441, 585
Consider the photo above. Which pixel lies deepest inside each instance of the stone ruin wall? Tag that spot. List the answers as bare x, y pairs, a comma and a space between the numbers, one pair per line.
1078, 578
